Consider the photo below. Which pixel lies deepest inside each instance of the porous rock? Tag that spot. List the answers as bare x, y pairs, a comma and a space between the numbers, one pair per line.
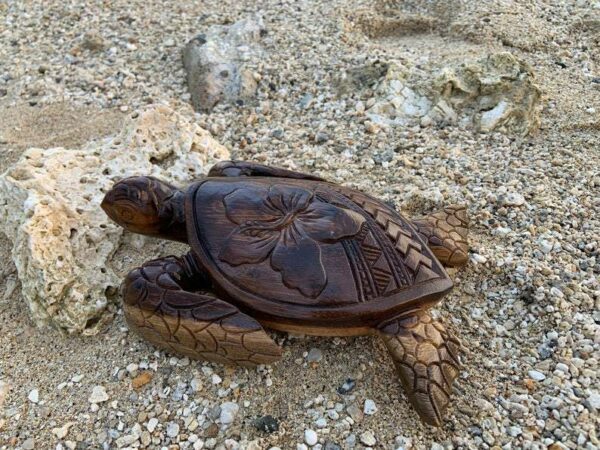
50, 210
493, 93
219, 63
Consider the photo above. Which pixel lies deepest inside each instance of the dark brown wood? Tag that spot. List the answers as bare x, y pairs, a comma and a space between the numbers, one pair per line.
294, 253
310, 253
147, 206
426, 357
200, 326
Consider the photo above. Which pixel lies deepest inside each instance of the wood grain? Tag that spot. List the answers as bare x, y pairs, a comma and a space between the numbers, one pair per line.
301, 255
310, 254
199, 326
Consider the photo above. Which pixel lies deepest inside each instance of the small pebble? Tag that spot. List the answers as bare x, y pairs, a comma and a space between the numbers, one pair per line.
267, 423
546, 246
172, 429
514, 199
368, 438
355, 412
347, 387
61, 432
98, 395
331, 446
321, 137
314, 355
126, 440
196, 384
141, 380
371, 128
479, 259
228, 412
594, 400
370, 407
535, 375
152, 423
351, 440
310, 437
34, 396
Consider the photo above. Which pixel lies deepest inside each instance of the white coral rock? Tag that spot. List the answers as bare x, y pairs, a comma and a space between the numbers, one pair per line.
496, 92
50, 209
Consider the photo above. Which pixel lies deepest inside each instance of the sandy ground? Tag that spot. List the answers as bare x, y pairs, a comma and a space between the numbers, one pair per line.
527, 304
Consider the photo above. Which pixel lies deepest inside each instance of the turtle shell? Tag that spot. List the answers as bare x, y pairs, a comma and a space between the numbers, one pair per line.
309, 252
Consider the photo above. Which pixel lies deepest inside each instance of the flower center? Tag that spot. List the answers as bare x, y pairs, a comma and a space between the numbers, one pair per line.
288, 219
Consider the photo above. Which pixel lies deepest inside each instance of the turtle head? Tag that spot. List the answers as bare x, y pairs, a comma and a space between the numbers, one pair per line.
149, 206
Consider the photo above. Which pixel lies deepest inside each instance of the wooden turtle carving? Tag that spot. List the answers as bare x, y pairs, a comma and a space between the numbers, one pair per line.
292, 252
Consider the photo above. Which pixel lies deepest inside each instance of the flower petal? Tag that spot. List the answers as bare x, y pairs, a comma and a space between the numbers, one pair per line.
328, 223
288, 199
249, 204
299, 261
248, 245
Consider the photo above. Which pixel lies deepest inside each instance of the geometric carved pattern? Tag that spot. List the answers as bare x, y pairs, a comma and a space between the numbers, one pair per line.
376, 265
409, 248
359, 262
426, 357
372, 270
382, 274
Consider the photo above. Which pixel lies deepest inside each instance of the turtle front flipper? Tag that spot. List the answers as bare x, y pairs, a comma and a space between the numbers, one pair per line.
426, 358
446, 234
249, 169
160, 305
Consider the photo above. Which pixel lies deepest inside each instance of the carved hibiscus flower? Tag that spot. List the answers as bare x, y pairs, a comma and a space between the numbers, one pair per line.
287, 224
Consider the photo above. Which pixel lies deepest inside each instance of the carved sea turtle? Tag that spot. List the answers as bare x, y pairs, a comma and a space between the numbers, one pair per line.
292, 252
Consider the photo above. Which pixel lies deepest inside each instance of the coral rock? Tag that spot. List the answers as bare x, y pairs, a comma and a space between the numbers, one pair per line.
494, 93
218, 63
50, 209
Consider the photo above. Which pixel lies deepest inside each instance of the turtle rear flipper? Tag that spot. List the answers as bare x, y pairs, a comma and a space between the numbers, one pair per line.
426, 358
199, 326
446, 234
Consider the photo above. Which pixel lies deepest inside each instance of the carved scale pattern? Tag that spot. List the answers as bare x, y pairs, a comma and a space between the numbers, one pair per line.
426, 357
446, 232
196, 325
